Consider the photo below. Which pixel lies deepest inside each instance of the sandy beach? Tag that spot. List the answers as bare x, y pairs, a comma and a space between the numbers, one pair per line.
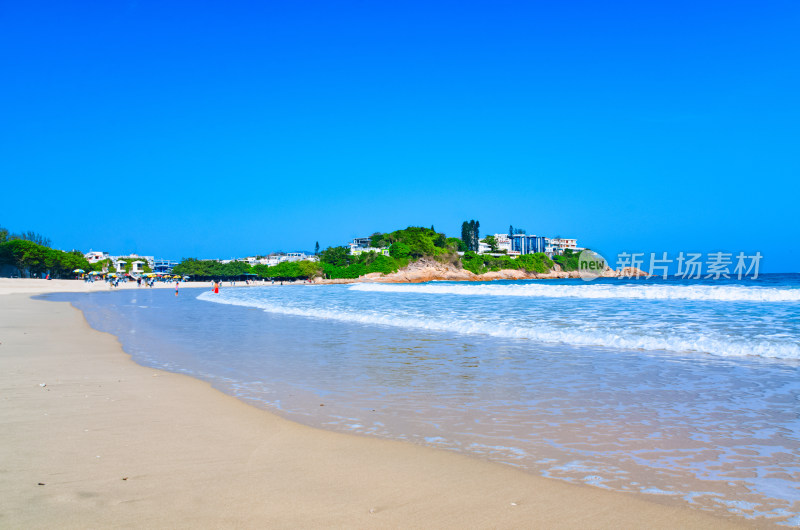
39, 286
92, 439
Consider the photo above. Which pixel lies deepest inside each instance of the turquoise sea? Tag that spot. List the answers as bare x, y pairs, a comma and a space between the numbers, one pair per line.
680, 388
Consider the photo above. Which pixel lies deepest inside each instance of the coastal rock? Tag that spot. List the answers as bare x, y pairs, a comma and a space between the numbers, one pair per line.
428, 270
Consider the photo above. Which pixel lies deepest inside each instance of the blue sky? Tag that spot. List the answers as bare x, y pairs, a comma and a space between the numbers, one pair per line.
199, 129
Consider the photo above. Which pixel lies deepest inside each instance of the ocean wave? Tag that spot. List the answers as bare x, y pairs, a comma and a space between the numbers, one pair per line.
542, 332
723, 293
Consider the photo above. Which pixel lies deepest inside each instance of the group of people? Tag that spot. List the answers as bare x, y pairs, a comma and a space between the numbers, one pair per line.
147, 281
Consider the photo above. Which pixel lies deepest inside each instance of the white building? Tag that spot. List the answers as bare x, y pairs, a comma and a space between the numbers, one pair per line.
274, 258
94, 257
118, 262
503, 243
561, 244
364, 244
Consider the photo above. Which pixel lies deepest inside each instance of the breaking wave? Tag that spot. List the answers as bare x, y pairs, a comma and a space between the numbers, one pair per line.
717, 293
578, 334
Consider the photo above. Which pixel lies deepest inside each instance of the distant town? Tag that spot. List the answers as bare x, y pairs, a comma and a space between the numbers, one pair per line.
511, 245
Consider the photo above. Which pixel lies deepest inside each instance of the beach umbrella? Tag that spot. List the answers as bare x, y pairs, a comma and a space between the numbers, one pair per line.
80, 271
112, 274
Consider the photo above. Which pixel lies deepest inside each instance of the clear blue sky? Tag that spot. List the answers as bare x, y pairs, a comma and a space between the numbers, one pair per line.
214, 129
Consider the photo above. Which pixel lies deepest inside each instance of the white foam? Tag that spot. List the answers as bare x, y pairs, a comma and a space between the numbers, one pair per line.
542, 332
726, 293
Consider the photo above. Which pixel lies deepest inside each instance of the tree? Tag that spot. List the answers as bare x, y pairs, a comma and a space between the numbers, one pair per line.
399, 250
26, 256
316, 249
33, 237
419, 243
492, 242
3, 235
377, 240
336, 256
470, 234
456, 244
309, 269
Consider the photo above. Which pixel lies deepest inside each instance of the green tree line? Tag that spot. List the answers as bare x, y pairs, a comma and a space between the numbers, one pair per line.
39, 259
481, 263
287, 270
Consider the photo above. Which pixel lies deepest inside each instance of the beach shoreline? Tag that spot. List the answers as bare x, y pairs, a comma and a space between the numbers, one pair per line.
33, 286
114, 443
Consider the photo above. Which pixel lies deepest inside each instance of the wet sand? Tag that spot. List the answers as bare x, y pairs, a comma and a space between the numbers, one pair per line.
92, 439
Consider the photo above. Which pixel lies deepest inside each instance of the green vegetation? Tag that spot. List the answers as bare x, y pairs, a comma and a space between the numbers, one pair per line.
492, 242
470, 234
337, 263
405, 246
420, 241
456, 243
206, 269
34, 237
288, 270
39, 259
568, 260
129, 264
481, 263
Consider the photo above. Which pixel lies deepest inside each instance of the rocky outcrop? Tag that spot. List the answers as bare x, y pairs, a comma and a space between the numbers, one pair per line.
428, 270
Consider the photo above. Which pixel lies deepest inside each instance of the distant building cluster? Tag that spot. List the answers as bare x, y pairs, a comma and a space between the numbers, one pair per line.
519, 244
118, 263
272, 259
512, 245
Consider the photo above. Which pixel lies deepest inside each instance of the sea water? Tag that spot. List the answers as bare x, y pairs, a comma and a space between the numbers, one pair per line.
687, 389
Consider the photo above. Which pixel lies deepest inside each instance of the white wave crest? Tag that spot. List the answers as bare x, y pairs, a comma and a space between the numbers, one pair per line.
724, 293
543, 333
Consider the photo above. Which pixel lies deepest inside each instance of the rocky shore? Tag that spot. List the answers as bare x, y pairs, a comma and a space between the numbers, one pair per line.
428, 270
